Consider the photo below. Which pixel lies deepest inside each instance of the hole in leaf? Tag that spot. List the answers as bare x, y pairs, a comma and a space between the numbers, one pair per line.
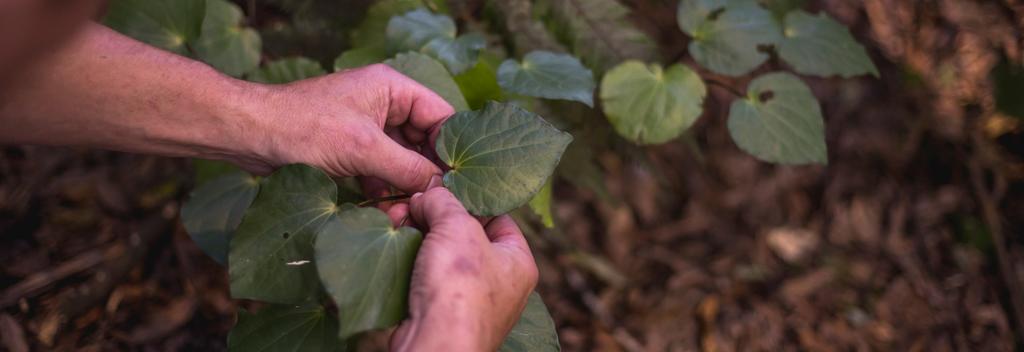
285, 235
765, 96
715, 14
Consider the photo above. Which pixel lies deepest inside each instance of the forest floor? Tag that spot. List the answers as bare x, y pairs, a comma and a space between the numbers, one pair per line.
895, 245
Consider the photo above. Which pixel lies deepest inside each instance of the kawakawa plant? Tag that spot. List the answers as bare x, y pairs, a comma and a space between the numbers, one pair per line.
303, 242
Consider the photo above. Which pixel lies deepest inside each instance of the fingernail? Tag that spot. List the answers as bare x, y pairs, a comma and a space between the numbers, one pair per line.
435, 181
416, 195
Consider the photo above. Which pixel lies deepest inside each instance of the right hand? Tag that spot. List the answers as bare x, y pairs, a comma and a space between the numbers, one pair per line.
469, 284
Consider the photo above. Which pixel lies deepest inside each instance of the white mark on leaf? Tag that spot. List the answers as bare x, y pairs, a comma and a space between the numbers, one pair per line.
297, 263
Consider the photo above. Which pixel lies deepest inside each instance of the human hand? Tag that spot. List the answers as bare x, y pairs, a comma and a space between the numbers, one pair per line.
469, 284
371, 121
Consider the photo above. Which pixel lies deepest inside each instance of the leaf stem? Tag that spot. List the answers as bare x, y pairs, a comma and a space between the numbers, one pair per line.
721, 84
390, 198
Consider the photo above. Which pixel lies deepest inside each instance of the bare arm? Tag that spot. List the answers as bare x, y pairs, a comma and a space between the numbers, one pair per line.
104, 90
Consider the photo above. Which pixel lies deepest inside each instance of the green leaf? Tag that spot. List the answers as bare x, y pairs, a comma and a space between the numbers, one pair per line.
535, 330
548, 75
479, 84
359, 57
366, 264
499, 156
818, 45
779, 121
207, 170
285, 328
600, 32
287, 70
214, 210
225, 44
458, 55
648, 105
541, 205
272, 250
726, 33
372, 31
414, 29
170, 25
431, 74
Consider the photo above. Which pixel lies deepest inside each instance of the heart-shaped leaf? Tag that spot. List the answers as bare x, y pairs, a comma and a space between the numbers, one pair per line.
170, 25
285, 328
499, 156
271, 256
535, 331
287, 70
431, 74
365, 264
214, 210
359, 57
458, 54
649, 105
224, 43
818, 45
414, 29
779, 121
548, 75
726, 33
372, 30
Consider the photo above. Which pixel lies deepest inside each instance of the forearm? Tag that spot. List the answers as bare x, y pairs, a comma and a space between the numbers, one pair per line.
104, 90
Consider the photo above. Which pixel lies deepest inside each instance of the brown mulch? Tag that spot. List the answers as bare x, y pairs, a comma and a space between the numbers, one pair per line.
892, 246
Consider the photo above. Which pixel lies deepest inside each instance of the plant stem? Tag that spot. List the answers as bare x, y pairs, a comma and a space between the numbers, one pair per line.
390, 198
727, 87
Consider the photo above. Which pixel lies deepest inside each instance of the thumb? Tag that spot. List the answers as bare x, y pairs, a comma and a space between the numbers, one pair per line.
402, 168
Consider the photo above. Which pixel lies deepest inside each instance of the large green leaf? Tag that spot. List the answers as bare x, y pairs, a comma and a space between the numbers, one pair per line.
499, 156
359, 57
779, 121
272, 250
433, 34
225, 44
287, 70
372, 30
479, 84
214, 210
414, 29
726, 33
306, 328
365, 264
600, 32
818, 45
534, 332
548, 75
458, 54
541, 205
431, 74
649, 105
780, 8
168, 24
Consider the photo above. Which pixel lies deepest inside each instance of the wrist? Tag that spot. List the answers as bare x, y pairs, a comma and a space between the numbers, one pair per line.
251, 131
448, 324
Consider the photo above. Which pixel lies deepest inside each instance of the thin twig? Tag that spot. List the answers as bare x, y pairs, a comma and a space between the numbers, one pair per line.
390, 198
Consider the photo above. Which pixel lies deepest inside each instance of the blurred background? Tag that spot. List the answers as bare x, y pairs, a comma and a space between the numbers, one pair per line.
909, 239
